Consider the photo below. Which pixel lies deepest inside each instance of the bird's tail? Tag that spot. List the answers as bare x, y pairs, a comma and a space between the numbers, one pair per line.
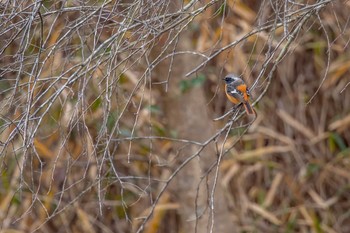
248, 108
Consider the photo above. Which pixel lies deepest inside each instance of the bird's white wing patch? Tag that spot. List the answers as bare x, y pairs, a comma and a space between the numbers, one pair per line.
234, 91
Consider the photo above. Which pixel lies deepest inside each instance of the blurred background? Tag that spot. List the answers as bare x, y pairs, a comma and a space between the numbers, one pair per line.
112, 116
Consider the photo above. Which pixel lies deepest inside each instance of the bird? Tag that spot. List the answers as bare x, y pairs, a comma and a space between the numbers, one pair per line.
237, 92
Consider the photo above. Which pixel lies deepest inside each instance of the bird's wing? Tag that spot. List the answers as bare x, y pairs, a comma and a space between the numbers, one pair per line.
231, 90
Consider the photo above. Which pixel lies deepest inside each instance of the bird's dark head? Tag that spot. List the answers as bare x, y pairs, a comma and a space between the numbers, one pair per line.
230, 78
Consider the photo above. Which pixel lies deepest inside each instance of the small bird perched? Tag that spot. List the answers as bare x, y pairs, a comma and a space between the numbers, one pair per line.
237, 92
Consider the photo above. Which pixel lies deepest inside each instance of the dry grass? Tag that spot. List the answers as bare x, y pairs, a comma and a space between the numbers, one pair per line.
86, 144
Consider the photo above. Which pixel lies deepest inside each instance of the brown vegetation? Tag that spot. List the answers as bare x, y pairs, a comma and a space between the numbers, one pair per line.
110, 116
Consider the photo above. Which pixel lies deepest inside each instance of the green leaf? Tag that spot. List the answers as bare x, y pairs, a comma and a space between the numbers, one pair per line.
187, 84
123, 79
334, 141
291, 225
311, 169
96, 104
154, 109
